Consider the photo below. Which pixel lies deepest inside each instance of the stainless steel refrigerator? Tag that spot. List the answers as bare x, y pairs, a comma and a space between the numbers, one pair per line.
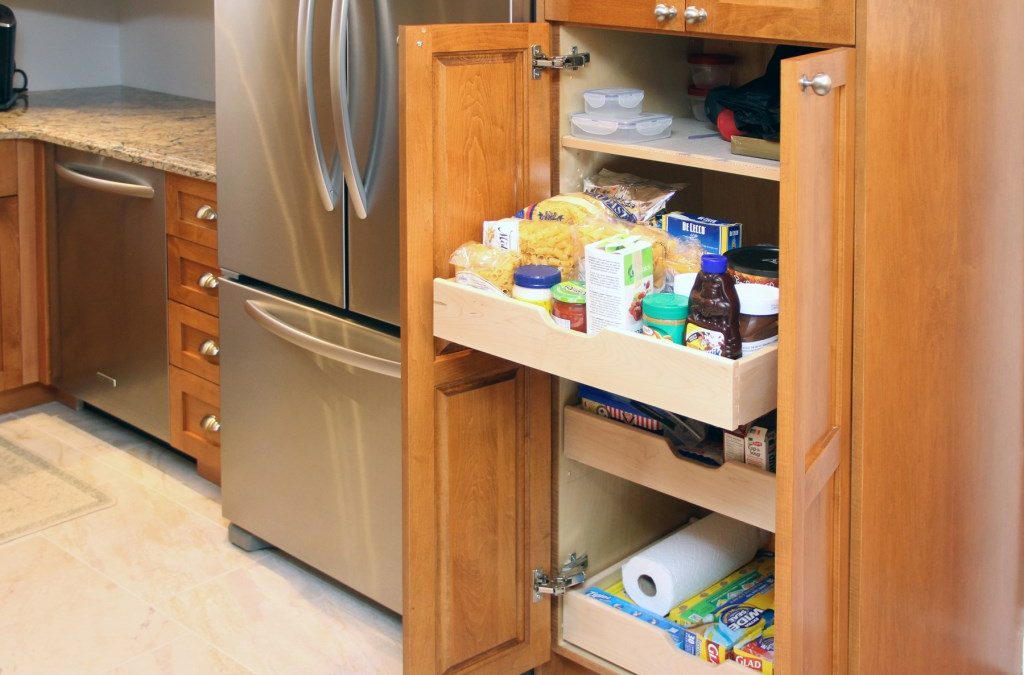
307, 174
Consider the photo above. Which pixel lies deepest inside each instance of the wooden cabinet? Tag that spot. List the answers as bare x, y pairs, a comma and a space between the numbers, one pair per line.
498, 478
827, 22
195, 421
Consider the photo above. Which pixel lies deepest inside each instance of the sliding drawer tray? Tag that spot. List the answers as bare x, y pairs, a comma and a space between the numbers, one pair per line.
718, 391
626, 641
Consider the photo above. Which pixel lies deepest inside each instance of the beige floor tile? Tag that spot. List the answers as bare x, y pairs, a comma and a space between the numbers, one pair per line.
274, 617
188, 655
59, 616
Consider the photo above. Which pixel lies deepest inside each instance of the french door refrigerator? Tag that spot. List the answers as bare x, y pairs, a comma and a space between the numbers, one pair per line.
307, 174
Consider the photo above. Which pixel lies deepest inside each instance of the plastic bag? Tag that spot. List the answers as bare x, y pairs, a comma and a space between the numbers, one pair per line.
485, 268
571, 208
628, 197
540, 242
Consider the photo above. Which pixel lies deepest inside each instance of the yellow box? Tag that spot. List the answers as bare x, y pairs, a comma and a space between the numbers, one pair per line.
758, 653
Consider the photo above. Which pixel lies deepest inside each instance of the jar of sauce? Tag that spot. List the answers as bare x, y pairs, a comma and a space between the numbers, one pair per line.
533, 284
757, 264
759, 316
569, 308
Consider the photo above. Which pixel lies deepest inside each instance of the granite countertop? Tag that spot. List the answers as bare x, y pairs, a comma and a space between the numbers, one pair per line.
165, 132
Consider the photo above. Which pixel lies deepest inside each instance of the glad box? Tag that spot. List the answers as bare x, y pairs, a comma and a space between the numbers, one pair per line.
619, 274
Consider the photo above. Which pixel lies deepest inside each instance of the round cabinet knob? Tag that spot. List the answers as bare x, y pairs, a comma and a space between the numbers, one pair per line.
695, 15
663, 12
210, 423
209, 348
820, 84
206, 212
208, 280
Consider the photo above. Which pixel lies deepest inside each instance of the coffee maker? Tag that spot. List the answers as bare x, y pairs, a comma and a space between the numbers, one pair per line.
8, 92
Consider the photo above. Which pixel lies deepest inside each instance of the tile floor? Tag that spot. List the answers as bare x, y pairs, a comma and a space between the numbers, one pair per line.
151, 585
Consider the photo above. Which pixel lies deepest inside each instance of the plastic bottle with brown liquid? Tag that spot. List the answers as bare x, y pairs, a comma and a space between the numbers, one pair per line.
713, 325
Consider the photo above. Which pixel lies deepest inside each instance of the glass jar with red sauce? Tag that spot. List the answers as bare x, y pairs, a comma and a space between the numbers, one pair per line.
570, 305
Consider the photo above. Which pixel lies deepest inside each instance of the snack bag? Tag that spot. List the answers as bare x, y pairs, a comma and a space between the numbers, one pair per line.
485, 268
631, 198
538, 242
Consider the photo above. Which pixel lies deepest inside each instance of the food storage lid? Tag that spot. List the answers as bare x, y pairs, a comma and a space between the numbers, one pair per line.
666, 306
645, 124
761, 260
537, 276
713, 263
572, 292
758, 299
697, 91
711, 59
624, 97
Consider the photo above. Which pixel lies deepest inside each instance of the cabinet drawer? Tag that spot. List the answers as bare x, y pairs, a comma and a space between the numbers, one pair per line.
194, 341
192, 210
192, 275
195, 421
614, 13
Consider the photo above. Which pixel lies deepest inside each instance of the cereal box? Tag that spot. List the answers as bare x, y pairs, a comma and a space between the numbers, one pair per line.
715, 236
619, 274
758, 653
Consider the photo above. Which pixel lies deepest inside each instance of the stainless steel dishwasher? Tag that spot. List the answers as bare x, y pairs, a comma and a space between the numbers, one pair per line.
112, 288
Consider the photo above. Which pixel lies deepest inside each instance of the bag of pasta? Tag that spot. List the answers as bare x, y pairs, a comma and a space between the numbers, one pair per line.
590, 231
539, 242
631, 198
672, 256
485, 268
571, 208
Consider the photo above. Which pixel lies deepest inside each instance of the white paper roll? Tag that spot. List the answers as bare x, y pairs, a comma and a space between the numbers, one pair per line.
689, 560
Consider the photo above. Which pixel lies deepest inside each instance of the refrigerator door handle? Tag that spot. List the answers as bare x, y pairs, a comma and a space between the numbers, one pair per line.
329, 183
339, 99
311, 343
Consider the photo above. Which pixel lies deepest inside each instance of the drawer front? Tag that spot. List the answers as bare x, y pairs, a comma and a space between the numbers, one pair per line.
195, 421
615, 13
192, 210
192, 275
194, 341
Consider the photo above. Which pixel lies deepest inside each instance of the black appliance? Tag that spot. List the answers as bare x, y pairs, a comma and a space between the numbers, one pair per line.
8, 92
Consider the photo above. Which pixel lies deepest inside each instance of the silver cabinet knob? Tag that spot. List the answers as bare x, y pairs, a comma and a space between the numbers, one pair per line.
210, 423
663, 12
695, 15
820, 84
209, 348
206, 212
208, 280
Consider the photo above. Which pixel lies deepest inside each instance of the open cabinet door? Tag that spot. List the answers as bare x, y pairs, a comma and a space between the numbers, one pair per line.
475, 145
815, 347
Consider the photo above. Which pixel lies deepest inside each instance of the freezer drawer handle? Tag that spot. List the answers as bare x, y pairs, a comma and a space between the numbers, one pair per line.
77, 176
311, 343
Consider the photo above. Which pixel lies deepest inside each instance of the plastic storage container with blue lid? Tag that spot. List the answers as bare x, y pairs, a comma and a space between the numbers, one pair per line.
613, 103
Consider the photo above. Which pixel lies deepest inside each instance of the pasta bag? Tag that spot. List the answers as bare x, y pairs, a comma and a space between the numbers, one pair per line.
485, 268
540, 242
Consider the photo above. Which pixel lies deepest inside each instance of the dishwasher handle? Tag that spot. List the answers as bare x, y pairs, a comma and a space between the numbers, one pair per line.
311, 343
78, 174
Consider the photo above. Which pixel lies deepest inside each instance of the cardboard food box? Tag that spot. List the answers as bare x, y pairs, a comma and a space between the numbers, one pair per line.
734, 442
612, 406
619, 275
758, 653
759, 448
715, 236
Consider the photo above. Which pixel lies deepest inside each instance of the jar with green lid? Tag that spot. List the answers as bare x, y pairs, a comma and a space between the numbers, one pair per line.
570, 305
665, 316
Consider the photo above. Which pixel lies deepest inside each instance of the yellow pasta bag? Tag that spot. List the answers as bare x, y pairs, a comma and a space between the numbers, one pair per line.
540, 242
672, 256
590, 231
486, 268
574, 207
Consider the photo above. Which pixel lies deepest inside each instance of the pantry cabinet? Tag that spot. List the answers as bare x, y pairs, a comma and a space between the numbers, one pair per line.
486, 439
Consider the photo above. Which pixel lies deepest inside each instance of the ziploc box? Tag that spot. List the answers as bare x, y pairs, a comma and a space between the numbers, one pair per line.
715, 236
758, 653
619, 274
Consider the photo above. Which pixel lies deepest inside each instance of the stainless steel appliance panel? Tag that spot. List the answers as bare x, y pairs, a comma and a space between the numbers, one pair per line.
274, 224
112, 288
311, 437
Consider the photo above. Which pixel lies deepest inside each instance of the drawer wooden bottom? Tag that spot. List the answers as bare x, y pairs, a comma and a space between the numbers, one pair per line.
195, 421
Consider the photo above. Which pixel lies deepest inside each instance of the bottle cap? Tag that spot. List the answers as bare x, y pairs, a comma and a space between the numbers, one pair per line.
758, 299
572, 292
713, 263
537, 276
666, 306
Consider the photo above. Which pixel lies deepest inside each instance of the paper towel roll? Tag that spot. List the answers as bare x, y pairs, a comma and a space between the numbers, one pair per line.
689, 560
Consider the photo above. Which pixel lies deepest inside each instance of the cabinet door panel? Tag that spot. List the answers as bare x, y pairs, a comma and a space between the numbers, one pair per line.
475, 144
10, 295
816, 232
809, 21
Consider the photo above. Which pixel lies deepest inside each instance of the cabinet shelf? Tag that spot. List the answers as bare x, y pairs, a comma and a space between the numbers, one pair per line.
706, 152
714, 390
736, 490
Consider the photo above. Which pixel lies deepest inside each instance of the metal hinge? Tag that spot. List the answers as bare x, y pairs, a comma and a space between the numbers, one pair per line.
573, 573
573, 61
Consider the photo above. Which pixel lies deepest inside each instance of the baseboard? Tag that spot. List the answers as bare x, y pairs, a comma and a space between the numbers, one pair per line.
27, 396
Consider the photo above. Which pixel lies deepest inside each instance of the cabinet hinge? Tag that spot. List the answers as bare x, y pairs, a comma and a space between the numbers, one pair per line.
573, 61
573, 573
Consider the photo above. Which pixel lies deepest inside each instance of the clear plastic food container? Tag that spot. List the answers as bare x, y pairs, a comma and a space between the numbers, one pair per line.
615, 103
711, 70
643, 127
697, 96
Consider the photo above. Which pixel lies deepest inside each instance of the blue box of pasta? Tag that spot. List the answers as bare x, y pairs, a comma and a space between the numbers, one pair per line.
715, 236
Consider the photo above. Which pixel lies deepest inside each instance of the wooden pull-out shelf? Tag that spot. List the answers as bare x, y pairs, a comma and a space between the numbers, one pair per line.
711, 389
736, 490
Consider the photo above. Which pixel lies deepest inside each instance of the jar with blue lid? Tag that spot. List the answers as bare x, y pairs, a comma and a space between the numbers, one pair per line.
533, 284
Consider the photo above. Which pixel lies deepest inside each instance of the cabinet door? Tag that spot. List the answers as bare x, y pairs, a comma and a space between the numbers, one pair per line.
809, 21
10, 295
815, 337
617, 13
475, 145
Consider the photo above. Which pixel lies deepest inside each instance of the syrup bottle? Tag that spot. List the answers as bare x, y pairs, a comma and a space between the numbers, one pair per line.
713, 324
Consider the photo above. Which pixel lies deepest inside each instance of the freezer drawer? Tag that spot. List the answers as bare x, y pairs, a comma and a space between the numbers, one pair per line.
311, 437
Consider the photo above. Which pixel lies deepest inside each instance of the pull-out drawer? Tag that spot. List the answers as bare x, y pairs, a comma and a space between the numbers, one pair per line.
192, 210
194, 341
192, 275
195, 421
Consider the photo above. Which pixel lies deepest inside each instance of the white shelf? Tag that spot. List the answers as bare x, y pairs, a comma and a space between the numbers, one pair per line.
705, 152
